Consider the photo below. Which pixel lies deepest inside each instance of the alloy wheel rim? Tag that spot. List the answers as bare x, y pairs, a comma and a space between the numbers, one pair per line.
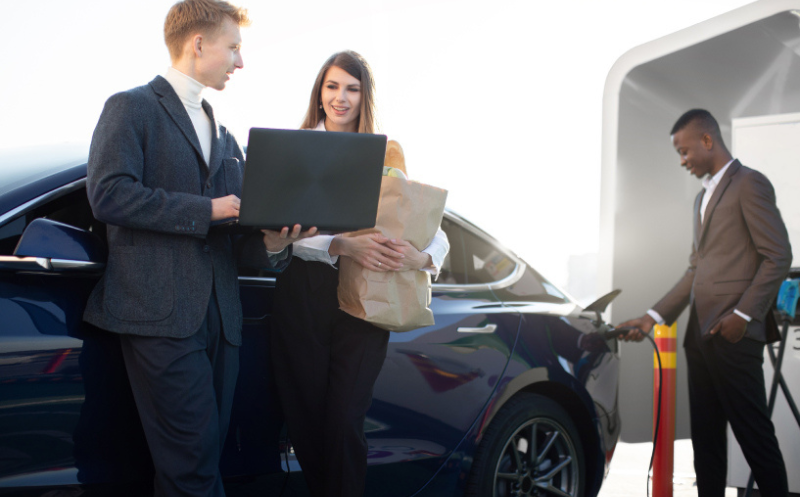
538, 459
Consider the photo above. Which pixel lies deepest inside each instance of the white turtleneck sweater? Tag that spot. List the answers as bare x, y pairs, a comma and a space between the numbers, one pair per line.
189, 90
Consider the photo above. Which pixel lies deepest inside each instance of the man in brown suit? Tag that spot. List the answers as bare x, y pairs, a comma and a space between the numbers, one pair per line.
739, 257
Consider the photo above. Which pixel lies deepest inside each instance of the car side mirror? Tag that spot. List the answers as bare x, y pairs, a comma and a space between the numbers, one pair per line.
47, 245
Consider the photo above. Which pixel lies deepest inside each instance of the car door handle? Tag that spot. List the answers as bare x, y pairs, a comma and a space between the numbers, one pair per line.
47, 264
490, 328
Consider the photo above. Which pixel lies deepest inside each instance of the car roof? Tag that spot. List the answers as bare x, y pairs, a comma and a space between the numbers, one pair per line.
28, 172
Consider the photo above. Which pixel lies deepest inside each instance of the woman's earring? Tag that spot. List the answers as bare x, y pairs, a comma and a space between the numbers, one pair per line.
320, 106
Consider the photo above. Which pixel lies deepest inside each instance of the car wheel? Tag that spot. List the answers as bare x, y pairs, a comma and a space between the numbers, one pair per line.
531, 448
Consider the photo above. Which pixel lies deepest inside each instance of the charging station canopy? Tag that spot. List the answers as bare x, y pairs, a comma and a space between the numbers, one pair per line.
745, 63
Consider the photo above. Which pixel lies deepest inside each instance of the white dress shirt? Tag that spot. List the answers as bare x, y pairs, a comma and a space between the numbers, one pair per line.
316, 248
709, 185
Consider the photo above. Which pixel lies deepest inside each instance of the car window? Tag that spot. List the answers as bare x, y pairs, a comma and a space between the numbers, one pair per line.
9, 235
472, 259
531, 287
484, 263
453, 271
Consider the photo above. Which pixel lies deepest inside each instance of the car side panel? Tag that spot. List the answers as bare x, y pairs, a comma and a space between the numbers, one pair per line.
549, 361
433, 386
64, 394
581, 375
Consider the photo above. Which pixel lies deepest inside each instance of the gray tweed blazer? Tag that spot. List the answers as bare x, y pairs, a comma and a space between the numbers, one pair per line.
148, 181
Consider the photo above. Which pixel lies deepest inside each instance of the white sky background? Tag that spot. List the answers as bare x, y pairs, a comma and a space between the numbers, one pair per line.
498, 102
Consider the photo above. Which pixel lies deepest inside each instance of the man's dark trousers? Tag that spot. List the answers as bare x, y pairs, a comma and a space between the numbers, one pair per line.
184, 391
726, 384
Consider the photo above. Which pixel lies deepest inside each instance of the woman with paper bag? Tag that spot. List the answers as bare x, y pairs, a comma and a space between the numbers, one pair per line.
396, 301
325, 360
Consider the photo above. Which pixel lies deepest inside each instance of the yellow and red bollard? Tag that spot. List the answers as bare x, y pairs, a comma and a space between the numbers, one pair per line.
663, 461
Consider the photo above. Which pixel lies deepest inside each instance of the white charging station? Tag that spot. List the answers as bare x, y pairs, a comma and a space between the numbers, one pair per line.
773, 143
744, 67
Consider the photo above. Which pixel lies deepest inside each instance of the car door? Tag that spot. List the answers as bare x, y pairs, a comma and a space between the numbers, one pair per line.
253, 443
68, 421
64, 396
434, 383
436, 380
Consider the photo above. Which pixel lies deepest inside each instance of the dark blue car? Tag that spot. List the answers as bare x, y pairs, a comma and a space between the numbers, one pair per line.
512, 392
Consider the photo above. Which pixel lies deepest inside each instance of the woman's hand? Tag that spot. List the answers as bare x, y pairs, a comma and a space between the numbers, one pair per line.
369, 250
276, 241
414, 259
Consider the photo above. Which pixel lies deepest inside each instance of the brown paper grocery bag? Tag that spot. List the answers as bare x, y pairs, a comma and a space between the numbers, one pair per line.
396, 301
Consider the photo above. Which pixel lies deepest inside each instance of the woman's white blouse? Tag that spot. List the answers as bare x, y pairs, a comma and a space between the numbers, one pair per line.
316, 248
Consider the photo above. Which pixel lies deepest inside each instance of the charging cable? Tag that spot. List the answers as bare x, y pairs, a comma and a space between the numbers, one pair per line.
616, 333
786, 305
658, 411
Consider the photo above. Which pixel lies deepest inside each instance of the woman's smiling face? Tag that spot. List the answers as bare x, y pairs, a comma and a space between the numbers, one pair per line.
341, 100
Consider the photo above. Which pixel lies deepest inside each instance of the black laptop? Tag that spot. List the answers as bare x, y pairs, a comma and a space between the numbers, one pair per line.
330, 180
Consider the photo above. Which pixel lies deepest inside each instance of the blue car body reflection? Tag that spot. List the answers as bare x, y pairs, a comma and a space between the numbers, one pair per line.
68, 423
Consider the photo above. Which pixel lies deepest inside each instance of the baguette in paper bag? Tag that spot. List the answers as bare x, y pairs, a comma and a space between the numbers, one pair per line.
392, 300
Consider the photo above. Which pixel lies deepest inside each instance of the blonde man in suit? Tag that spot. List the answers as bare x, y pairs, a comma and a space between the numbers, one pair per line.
740, 255
161, 171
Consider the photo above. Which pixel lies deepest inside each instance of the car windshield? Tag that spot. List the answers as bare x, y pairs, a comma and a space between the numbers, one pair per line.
19, 167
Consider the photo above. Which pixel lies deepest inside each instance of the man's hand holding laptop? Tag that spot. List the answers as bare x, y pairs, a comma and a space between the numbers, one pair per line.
227, 207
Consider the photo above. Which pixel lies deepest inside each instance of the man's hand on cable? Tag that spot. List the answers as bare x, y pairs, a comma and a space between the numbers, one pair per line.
640, 327
225, 207
414, 260
732, 328
369, 250
278, 240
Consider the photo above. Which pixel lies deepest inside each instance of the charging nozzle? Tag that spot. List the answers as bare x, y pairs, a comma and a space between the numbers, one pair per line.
616, 332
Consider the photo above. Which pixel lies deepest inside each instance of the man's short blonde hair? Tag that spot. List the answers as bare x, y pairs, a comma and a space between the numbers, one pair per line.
190, 17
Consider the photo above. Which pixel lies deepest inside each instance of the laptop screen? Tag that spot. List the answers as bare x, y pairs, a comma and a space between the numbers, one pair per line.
330, 180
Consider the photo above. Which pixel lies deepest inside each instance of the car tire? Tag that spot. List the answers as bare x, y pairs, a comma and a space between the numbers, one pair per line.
504, 464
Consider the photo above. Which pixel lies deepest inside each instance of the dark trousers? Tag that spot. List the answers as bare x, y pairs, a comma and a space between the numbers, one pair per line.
325, 363
726, 384
184, 391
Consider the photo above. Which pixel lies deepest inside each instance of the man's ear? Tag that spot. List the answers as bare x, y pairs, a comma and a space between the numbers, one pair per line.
192, 48
708, 141
197, 45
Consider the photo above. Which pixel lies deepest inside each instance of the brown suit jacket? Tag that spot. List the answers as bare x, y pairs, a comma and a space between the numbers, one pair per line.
740, 256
